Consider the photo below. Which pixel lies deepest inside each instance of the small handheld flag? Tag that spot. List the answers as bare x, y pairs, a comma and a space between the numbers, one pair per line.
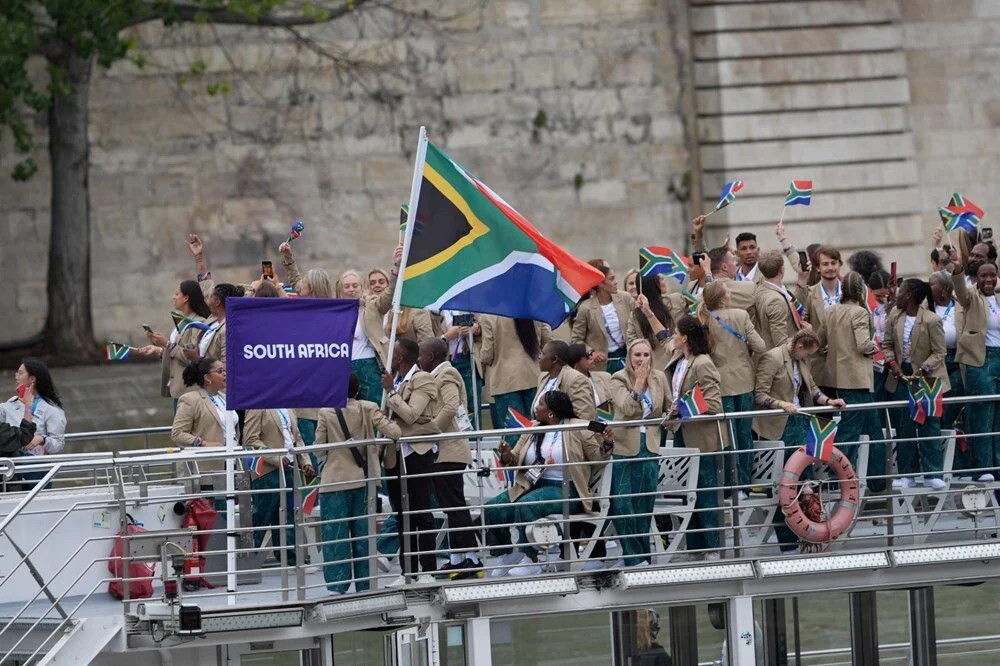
728, 195
404, 213
503, 475
691, 300
182, 323
926, 399
116, 351
692, 404
658, 260
958, 221
310, 497
960, 204
799, 193
516, 419
819, 439
297, 228
606, 412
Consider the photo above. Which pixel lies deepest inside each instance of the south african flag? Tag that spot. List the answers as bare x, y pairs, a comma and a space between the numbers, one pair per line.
729, 191
469, 250
182, 322
690, 300
116, 351
820, 438
516, 419
692, 404
799, 193
659, 260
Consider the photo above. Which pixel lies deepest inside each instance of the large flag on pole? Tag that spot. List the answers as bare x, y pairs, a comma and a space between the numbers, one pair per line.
469, 250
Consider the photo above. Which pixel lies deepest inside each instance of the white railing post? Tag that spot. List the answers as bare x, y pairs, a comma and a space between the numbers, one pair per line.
741, 639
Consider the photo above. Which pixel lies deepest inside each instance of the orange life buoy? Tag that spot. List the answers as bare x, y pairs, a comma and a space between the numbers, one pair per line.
847, 507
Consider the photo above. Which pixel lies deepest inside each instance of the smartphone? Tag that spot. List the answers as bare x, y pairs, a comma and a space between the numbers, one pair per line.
146, 328
803, 259
462, 320
267, 269
986, 235
597, 426
892, 273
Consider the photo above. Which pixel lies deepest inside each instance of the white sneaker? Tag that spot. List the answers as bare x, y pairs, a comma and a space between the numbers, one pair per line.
503, 565
905, 482
383, 564
425, 579
617, 564
592, 565
398, 581
526, 568
965, 479
986, 478
743, 496
713, 556
936, 484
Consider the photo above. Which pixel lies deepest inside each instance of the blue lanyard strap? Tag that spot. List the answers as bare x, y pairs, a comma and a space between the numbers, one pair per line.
742, 338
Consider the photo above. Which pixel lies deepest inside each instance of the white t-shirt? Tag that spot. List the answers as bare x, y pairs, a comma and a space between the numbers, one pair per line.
749, 277
552, 454
947, 314
362, 347
908, 324
612, 327
828, 298
550, 385
993, 323
797, 382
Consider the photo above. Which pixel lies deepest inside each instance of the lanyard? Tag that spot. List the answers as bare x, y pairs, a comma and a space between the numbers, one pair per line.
615, 341
286, 422
732, 331
647, 403
826, 295
990, 302
34, 405
947, 312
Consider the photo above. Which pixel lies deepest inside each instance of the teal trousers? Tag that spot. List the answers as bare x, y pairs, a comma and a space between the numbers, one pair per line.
370, 374
265, 512
916, 457
981, 455
632, 516
501, 511
519, 400
742, 462
345, 539
307, 428
704, 518
463, 363
794, 436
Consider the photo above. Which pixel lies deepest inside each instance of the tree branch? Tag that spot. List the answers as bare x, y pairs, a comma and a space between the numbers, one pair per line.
188, 13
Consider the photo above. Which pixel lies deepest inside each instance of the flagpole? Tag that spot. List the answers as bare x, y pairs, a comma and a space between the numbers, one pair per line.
411, 214
711, 213
782, 218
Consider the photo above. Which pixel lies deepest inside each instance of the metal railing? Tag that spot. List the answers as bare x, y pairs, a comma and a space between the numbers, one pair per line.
318, 559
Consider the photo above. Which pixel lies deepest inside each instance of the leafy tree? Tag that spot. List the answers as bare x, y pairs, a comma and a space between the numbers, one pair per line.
71, 35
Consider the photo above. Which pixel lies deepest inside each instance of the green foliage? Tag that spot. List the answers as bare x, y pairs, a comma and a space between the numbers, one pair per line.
94, 29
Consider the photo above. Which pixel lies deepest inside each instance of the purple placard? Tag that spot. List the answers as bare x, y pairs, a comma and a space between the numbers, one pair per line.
288, 352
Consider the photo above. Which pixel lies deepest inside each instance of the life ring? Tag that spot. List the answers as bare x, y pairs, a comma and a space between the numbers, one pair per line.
847, 507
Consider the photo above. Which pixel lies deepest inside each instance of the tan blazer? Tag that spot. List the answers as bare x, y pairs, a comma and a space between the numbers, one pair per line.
421, 326
628, 409
701, 371
776, 380
363, 418
413, 408
776, 321
452, 399
731, 355
927, 348
217, 345
196, 416
742, 293
601, 382
589, 327
576, 385
812, 300
579, 447
506, 366
971, 346
173, 362
262, 430
846, 335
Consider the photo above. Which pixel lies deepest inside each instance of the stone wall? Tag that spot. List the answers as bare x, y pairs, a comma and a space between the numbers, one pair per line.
567, 108
576, 111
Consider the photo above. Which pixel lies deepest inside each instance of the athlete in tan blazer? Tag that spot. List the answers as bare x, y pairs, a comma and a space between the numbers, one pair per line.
413, 403
817, 299
343, 493
267, 429
592, 328
198, 420
558, 375
511, 372
777, 320
692, 366
640, 391
655, 324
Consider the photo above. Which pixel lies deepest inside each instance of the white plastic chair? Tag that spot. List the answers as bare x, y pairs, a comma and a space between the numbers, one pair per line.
676, 490
757, 512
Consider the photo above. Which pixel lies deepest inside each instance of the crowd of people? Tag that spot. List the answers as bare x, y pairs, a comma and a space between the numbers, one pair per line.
738, 329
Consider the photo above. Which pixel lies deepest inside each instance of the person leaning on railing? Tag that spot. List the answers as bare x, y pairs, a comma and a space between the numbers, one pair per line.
785, 382
274, 429
691, 366
978, 351
640, 391
343, 493
914, 347
537, 489
201, 415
